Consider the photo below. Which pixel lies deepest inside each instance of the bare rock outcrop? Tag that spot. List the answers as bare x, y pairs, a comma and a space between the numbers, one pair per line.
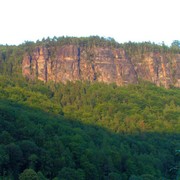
102, 64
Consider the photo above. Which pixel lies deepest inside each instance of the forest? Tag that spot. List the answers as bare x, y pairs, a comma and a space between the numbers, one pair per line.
82, 130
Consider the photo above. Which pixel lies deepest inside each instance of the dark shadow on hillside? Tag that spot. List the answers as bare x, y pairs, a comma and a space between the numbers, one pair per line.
66, 148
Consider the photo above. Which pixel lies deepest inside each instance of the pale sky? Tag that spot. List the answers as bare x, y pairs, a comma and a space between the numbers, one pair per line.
123, 20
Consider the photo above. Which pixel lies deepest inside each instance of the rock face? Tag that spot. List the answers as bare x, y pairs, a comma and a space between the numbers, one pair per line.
108, 65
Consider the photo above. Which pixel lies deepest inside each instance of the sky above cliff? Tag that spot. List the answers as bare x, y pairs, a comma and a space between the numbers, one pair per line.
124, 20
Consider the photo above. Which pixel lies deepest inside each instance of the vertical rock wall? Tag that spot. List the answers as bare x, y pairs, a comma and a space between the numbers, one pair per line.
108, 65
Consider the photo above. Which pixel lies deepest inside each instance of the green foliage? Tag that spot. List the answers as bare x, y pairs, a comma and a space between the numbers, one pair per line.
88, 131
28, 174
130, 109
33, 98
175, 45
71, 174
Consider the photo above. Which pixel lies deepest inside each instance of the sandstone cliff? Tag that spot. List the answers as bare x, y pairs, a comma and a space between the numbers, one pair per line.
102, 64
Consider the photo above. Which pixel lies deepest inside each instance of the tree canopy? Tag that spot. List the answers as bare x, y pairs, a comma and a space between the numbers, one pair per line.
88, 131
